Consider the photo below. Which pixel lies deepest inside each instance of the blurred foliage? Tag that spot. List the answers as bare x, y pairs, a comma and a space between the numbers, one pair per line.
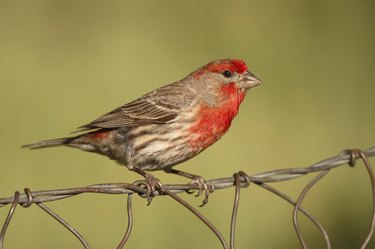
63, 63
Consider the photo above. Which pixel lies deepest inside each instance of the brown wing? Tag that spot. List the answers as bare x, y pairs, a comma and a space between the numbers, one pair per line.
157, 107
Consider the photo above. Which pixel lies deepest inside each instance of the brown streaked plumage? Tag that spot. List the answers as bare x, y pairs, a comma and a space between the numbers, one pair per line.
170, 124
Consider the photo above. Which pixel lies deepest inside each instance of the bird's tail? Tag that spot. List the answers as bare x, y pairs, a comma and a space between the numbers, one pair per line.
49, 143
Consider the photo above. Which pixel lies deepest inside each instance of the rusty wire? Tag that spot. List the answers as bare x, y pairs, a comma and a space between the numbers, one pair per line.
130, 222
240, 179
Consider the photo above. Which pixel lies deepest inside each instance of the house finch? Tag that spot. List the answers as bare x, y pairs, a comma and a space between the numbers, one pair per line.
170, 124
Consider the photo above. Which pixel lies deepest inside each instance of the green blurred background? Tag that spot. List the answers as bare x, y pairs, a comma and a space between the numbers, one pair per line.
64, 63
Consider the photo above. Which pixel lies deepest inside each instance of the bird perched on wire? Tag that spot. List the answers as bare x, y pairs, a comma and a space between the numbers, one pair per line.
169, 125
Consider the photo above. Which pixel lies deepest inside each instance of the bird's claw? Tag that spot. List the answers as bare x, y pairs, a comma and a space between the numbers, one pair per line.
154, 184
205, 186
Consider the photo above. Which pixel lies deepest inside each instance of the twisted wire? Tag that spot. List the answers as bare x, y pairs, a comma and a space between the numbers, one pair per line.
239, 180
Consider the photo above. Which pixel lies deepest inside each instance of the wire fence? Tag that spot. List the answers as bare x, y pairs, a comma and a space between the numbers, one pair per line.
238, 180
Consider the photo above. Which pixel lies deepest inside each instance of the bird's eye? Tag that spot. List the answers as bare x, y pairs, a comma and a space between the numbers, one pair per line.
227, 73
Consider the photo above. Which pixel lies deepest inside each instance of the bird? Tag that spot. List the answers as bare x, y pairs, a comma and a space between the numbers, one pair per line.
169, 125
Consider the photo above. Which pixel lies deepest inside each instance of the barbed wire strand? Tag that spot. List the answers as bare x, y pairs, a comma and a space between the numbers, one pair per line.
240, 179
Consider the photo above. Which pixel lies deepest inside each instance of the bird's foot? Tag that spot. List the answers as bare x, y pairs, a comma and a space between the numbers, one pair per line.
154, 185
203, 186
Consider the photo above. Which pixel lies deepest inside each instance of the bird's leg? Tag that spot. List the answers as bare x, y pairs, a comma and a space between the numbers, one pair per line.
197, 180
153, 182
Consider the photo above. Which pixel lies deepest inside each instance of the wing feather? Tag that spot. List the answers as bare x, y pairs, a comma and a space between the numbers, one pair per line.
157, 107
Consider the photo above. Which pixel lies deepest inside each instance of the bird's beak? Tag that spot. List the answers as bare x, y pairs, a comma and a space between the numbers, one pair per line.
249, 81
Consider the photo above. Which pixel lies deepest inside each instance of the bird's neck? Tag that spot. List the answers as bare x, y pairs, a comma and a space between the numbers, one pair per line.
213, 122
